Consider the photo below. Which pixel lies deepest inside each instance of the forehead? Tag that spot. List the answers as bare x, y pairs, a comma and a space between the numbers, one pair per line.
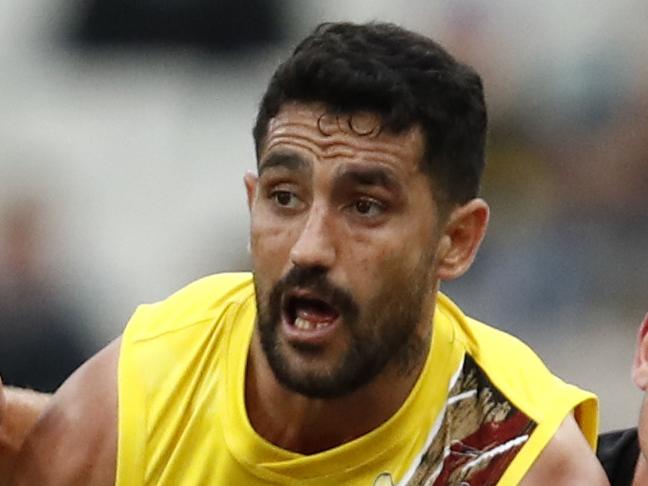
317, 134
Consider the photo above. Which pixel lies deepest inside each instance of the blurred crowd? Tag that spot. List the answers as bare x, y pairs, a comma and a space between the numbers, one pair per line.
41, 336
567, 173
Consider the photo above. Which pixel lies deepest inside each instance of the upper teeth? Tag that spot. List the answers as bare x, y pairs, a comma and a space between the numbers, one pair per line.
305, 324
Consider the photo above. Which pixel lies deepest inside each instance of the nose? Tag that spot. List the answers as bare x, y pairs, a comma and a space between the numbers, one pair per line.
315, 246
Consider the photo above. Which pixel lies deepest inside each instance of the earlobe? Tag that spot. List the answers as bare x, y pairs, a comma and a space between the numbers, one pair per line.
640, 363
462, 236
250, 180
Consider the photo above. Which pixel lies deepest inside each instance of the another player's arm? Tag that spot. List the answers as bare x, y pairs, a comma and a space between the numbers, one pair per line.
74, 441
567, 460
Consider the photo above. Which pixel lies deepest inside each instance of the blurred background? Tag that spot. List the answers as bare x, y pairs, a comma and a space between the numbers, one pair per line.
126, 130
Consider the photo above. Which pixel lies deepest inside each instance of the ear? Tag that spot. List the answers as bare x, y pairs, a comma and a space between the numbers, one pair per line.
640, 363
250, 180
462, 235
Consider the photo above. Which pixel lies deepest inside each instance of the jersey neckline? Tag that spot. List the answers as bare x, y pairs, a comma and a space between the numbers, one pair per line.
268, 461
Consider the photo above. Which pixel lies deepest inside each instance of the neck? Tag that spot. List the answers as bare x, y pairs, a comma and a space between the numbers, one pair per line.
301, 424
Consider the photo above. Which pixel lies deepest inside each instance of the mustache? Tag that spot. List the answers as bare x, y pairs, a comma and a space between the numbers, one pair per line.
316, 280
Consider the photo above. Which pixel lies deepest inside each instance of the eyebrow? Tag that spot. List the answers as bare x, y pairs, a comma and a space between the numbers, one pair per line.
370, 176
292, 162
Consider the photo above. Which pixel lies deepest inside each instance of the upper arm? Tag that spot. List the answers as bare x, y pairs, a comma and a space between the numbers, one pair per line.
566, 460
19, 411
75, 440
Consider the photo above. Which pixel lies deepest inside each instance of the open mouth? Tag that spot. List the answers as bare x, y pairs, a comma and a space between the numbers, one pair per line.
308, 312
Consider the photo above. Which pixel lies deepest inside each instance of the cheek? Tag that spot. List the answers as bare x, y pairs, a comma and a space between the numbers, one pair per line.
399, 249
375, 263
389, 260
270, 242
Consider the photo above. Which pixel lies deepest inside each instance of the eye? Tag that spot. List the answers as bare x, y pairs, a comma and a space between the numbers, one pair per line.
368, 207
284, 199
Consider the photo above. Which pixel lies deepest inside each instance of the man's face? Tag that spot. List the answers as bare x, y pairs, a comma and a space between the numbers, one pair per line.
344, 234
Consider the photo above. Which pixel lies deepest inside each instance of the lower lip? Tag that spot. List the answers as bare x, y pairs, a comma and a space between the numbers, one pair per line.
312, 337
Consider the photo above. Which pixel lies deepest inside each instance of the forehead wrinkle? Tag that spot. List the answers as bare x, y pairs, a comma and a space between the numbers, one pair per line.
338, 150
321, 150
387, 147
399, 149
364, 150
287, 160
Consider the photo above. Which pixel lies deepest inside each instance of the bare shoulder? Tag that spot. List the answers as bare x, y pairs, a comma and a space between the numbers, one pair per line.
74, 441
567, 460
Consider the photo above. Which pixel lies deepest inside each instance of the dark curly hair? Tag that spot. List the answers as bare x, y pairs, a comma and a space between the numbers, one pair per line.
404, 77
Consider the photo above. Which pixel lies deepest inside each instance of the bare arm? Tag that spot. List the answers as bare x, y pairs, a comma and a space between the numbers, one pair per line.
74, 442
567, 460
19, 411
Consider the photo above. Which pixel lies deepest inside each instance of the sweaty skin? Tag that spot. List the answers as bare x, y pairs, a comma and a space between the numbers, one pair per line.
359, 207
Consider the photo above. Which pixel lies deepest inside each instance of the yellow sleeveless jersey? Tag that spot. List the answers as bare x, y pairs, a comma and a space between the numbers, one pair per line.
481, 411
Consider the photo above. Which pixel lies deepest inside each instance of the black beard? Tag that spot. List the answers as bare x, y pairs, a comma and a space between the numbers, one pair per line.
388, 336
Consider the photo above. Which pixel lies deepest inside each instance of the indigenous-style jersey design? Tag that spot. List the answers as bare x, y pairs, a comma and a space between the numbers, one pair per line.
480, 434
480, 413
